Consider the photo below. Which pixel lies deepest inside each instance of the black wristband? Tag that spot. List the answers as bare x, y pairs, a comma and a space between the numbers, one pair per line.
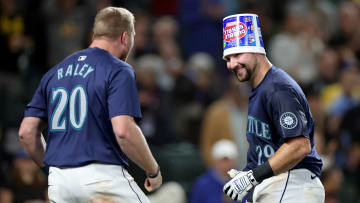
45, 169
262, 172
154, 175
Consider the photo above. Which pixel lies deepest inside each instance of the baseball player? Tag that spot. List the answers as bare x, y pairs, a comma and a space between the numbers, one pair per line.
89, 103
282, 163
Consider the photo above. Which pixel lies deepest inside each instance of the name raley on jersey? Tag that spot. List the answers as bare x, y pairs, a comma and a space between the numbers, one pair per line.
70, 71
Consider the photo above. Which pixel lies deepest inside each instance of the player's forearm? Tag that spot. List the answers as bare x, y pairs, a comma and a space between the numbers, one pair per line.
289, 154
136, 148
30, 139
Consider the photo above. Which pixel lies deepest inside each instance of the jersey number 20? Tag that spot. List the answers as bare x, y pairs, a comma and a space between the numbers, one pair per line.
77, 103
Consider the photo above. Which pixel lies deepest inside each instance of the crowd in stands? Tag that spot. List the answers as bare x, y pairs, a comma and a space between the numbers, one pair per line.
189, 100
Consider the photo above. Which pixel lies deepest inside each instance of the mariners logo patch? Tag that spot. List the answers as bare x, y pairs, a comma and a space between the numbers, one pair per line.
288, 120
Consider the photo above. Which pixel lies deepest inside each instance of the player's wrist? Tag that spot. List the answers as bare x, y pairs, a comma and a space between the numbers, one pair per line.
45, 169
154, 175
262, 172
251, 178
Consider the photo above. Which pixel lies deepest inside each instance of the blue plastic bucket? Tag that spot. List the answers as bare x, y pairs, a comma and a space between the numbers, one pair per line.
242, 34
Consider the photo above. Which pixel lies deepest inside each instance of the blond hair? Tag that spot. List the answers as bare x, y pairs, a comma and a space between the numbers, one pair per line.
112, 22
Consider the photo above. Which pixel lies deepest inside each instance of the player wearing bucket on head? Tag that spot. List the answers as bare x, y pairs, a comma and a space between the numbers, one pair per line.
89, 102
282, 163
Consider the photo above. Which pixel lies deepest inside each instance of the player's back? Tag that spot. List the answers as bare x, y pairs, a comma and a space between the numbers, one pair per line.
82, 93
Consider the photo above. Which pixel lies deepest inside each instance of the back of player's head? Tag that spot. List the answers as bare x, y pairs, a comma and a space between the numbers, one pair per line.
112, 22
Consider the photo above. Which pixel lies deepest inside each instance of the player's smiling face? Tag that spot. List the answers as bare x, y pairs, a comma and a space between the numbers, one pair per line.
242, 65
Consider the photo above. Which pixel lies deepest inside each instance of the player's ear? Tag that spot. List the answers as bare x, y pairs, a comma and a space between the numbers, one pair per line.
124, 38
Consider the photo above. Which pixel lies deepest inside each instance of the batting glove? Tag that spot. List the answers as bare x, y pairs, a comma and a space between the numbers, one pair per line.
240, 185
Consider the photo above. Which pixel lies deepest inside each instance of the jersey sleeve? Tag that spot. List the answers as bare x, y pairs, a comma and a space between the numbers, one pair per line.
288, 115
38, 105
122, 95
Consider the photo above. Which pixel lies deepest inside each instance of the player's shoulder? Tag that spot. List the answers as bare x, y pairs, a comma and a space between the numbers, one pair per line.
49, 75
79, 55
119, 68
281, 84
279, 80
118, 64
275, 82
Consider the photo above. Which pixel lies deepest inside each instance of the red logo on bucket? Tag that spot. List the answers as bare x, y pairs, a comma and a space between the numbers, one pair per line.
233, 31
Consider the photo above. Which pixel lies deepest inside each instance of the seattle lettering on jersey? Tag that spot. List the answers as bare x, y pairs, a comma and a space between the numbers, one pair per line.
82, 71
258, 128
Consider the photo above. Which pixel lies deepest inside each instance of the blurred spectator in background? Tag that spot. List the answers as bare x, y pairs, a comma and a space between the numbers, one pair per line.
332, 180
194, 91
325, 149
201, 72
226, 119
347, 115
328, 66
164, 41
12, 36
142, 41
66, 30
348, 33
155, 104
312, 93
200, 26
300, 42
323, 12
349, 82
27, 183
350, 124
173, 64
16, 47
165, 30
350, 191
209, 187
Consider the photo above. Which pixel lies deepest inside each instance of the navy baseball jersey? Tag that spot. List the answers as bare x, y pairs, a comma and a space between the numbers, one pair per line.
78, 98
278, 110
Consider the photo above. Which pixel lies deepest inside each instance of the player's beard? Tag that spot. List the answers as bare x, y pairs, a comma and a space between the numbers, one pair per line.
243, 74
246, 72
125, 55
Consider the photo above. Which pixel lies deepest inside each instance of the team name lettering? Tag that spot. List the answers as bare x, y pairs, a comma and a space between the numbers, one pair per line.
80, 71
258, 128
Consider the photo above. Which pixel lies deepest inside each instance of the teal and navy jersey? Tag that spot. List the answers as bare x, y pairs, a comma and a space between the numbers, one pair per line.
78, 97
278, 110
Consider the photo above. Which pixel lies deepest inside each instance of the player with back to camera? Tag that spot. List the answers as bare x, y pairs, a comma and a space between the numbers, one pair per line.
89, 103
282, 163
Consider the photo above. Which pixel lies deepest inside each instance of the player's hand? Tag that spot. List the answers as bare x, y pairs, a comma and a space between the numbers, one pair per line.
152, 184
240, 185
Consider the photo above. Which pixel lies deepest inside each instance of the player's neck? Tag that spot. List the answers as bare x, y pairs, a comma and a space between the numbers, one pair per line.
107, 45
262, 68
